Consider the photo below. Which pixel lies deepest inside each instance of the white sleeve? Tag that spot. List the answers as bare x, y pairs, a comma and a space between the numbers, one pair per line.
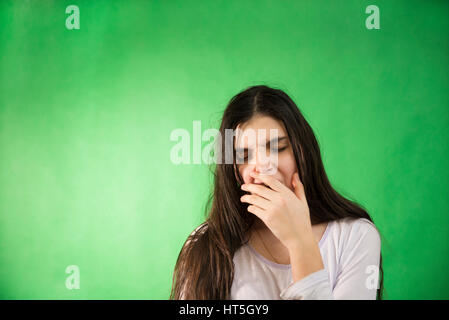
315, 286
357, 278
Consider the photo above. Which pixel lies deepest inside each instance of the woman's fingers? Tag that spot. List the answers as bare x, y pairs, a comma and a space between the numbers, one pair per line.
298, 187
257, 211
256, 200
260, 190
273, 183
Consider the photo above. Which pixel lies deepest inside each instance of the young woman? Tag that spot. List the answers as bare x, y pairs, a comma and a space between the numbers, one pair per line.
279, 234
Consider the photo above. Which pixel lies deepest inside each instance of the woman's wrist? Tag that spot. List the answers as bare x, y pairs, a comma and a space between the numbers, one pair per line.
305, 241
305, 258
305, 248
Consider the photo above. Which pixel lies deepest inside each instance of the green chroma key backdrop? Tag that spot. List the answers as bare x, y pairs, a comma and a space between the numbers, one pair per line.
87, 186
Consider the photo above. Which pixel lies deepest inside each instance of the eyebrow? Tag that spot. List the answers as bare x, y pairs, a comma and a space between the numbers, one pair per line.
268, 143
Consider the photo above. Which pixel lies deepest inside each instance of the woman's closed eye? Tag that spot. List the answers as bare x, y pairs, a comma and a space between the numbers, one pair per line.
281, 149
248, 155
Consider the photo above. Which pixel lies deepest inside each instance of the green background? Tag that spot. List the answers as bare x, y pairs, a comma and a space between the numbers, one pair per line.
86, 116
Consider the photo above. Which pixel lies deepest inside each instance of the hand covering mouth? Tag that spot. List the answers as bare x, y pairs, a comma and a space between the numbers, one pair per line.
267, 186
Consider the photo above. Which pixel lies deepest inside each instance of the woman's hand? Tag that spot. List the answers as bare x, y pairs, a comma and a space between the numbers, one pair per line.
285, 213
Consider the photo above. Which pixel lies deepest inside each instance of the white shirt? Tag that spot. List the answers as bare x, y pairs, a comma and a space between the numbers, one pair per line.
350, 250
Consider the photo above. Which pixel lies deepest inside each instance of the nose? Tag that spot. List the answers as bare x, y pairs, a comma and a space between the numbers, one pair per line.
263, 165
257, 181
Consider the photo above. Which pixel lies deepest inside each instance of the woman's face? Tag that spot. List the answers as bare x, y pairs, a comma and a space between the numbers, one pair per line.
251, 139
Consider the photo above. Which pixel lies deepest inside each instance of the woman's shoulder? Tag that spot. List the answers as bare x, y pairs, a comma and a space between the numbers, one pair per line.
355, 230
355, 223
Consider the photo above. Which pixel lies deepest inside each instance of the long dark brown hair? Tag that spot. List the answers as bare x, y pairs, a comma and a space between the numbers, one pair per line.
204, 268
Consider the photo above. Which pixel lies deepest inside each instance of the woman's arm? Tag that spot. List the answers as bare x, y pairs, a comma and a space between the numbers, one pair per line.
305, 258
358, 270
287, 215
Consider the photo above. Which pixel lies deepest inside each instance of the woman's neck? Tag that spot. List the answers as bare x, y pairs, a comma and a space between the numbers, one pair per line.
262, 230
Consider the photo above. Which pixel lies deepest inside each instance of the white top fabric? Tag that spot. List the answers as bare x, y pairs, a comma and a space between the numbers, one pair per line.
350, 249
